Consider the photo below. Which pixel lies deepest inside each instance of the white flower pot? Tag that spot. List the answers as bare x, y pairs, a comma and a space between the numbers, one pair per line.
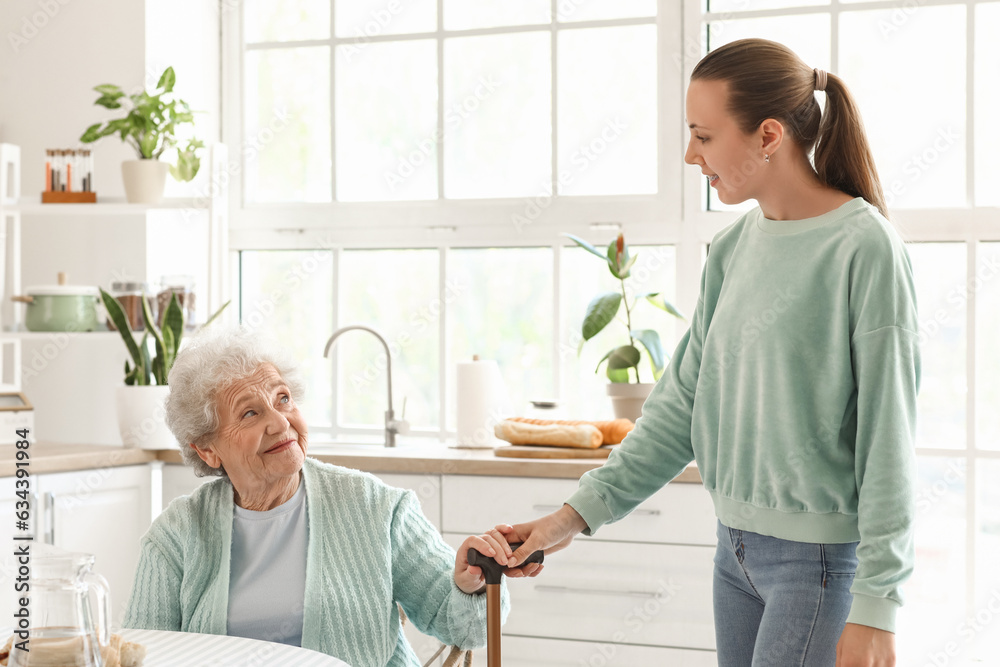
627, 398
141, 417
144, 180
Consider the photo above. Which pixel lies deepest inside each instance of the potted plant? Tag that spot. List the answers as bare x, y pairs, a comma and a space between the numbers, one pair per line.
149, 127
140, 401
624, 360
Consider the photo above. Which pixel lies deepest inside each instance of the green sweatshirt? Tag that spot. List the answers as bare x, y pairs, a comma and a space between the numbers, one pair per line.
795, 391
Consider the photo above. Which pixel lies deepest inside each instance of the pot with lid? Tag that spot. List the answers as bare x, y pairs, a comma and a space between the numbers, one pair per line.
61, 307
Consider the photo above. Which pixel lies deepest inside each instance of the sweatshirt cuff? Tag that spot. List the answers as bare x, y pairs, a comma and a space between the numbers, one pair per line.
874, 612
591, 507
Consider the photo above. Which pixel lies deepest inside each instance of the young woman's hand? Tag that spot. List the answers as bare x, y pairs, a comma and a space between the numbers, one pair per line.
470, 578
550, 534
864, 646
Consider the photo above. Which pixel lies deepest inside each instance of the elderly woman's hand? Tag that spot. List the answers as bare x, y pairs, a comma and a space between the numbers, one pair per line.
470, 578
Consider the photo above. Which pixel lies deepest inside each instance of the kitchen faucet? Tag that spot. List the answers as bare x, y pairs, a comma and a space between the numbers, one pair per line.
392, 425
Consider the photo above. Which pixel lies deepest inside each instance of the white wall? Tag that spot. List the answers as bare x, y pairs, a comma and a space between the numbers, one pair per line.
55, 51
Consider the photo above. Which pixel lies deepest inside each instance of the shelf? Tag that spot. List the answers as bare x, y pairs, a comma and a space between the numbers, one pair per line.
45, 335
109, 206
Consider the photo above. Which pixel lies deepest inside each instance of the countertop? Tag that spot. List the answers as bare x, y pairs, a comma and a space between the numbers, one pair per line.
435, 459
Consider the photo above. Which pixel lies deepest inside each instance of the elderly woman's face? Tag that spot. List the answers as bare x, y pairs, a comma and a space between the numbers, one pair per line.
262, 436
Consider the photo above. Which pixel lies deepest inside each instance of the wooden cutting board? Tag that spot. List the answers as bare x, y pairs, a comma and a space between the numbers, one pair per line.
547, 452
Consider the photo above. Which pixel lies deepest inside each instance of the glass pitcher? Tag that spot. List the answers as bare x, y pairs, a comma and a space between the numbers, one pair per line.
61, 629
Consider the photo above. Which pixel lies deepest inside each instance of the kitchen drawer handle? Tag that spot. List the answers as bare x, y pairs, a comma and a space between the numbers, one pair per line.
553, 508
545, 588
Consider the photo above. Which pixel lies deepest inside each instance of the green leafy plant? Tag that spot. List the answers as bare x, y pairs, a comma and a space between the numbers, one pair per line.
167, 340
604, 308
150, 126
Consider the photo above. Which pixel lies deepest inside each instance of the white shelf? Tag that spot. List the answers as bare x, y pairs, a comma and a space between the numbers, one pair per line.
45, 335
109, 206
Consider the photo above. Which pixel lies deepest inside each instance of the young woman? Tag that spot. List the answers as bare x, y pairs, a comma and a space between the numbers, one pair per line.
795, 387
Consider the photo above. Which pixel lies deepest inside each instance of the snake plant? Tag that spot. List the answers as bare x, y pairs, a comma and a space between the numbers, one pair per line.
167, 339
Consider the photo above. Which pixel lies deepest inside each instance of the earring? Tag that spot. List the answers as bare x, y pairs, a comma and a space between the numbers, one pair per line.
767, 158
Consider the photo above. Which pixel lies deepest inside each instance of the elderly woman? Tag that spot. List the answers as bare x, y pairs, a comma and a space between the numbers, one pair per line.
285, 548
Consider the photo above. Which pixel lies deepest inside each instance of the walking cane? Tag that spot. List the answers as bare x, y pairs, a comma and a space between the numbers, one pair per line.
494, 573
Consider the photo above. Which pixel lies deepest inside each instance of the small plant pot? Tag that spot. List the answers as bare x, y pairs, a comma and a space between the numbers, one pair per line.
627, 398
141, 417
144, 180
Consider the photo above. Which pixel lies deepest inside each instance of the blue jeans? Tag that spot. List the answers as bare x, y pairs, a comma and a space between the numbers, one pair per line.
780, 603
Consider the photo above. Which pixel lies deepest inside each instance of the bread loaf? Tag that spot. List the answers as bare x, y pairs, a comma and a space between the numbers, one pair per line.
557, 435
613, 431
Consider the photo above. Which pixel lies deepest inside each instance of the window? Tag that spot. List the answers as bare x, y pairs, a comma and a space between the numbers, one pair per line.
435, 162
353, 101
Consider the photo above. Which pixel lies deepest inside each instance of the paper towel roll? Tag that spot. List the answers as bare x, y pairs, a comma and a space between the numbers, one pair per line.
482, 403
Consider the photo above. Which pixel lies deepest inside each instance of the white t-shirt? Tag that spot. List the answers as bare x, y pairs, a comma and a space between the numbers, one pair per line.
267, 572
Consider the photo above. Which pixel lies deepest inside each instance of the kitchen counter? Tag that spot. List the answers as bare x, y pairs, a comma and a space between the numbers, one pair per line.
429, 459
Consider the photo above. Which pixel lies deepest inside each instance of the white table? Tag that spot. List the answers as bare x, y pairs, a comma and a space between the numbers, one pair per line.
190, 649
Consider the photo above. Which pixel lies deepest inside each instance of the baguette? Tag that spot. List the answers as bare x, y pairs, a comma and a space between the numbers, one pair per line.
585, 436
613, 431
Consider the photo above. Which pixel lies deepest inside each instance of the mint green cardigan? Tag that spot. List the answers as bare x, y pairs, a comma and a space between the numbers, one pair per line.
370, 546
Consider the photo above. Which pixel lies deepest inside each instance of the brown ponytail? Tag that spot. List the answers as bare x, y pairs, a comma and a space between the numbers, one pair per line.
768, 80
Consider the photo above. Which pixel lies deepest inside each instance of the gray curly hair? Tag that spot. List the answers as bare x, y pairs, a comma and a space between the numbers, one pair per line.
209, 362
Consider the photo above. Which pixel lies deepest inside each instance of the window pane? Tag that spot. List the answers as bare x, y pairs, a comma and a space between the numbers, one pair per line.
387, 121
987, 291
982, 636
498, 116
466, 14
915, 118
593, 10
808, 36
396, 293
987, 101
371, 18
607, 111
285, 20
286, 150
935, 594
502, 311
274, 285
939, 272
583, 278
755, 5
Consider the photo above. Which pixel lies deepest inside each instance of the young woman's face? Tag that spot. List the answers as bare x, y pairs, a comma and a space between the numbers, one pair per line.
731, 160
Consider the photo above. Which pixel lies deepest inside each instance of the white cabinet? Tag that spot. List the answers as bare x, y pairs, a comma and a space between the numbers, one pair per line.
180, 480
677, 514
642, 586
102, 511
427, 488
530, 652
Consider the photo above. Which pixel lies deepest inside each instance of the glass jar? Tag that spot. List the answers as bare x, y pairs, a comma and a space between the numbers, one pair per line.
129, 295
183, 287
